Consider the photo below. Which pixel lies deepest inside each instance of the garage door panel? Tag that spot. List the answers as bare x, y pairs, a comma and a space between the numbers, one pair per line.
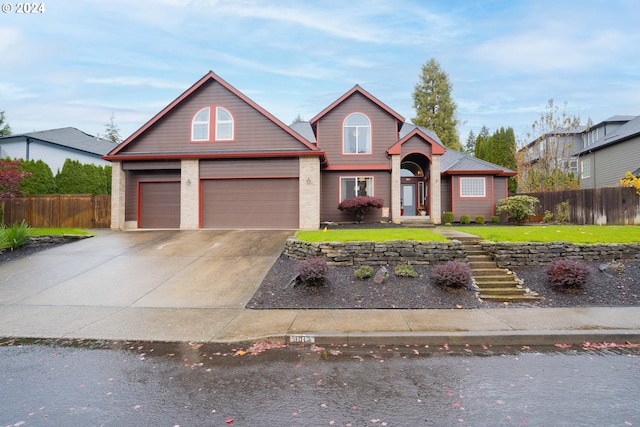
159, 205
250, 203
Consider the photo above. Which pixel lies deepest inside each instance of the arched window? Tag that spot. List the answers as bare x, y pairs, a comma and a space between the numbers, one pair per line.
200, 125
224, 125
357, 134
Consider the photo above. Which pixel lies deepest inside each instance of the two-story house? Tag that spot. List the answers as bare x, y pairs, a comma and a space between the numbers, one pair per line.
213, 158
611, 148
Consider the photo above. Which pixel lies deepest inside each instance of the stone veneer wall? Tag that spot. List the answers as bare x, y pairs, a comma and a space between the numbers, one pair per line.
533, 254
377, 253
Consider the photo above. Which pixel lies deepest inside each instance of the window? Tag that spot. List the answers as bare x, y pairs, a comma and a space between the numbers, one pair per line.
357, 134
473, 187
200, 125
224, 125
585, 166
352, 186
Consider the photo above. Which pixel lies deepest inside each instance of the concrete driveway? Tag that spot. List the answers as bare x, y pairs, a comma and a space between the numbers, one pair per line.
73, 287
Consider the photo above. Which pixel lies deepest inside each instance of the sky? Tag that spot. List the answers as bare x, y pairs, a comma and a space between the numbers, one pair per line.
77, 63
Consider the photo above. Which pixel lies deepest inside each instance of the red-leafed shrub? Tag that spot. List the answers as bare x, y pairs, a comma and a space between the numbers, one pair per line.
452, 274
358, 206
312, 271
568, 273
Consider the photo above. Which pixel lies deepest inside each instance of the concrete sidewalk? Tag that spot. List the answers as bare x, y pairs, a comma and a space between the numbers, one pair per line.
193, 286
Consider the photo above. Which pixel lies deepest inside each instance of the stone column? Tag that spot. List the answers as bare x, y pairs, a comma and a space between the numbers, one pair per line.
190, 194
309, 193
435, 187
395, 188
118, 186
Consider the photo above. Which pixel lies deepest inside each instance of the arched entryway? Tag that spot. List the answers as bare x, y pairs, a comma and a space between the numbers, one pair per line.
414, 185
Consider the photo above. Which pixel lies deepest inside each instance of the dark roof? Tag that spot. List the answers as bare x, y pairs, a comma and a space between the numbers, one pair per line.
408, 127
454, 161
628, 130
70, 137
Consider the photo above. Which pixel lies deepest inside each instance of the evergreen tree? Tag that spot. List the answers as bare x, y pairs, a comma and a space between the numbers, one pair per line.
72, 178
41, 180
481, 140
470, 145
112, 132
435, 108
499, 149
6, 129
298, 119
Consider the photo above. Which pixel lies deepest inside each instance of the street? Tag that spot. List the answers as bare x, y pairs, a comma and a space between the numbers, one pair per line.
78, 383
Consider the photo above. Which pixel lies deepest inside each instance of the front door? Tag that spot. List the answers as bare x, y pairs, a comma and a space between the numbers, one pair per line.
408, 199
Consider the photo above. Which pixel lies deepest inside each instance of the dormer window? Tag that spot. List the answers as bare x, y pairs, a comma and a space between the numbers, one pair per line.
357, 134
200, 125
223, 130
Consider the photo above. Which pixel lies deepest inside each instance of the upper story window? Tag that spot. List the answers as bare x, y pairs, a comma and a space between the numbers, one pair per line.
224, 125
200, 125
586, 168
357, 134
223, 129
473, 187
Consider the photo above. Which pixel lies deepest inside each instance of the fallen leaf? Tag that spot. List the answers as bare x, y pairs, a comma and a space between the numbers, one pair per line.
240, 353
229, 420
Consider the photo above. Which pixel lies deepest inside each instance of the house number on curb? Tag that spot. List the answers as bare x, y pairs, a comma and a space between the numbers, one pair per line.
302, 339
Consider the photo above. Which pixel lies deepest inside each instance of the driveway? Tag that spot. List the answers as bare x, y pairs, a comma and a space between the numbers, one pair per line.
180, 269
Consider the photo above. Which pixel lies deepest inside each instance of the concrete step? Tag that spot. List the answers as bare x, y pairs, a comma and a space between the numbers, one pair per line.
489, 272
480, 265
495, 284
478, 257
509, 298
503, 291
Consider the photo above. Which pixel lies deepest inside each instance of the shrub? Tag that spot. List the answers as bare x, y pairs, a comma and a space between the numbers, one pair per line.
452, 274
548, 216
465, 219
495, 219
480, 219
14, 236
562, 211
517, 207
405, 270
312, 271
359, 206
448, 217
568, 273
364, 272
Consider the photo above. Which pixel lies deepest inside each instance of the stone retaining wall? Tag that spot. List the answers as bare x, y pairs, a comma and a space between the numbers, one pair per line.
377, 253
534, 254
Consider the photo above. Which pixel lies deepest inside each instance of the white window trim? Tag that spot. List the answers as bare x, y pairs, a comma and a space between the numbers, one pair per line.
225, 122
582, 163
201, 122
357, 127
369, 177
474, 179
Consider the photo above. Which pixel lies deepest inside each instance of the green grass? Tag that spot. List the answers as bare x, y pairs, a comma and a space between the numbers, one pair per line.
579, 234
370, 235
59, 231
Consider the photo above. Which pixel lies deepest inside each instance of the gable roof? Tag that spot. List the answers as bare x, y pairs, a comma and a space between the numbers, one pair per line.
206, 78
456, 163
409, 130
367, 95
628, 130
69, 137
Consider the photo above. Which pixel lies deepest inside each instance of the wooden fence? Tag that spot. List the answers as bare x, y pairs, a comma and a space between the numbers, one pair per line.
60, 210
600, 206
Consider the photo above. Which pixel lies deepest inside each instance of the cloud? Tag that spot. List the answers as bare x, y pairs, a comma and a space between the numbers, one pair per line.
135, 81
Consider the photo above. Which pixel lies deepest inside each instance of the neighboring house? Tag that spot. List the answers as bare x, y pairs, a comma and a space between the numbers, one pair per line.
55, 146
556, 148
611, 148
213, 158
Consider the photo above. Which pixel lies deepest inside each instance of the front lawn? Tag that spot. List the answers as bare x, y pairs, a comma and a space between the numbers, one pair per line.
59, 231
370, 235
579, 234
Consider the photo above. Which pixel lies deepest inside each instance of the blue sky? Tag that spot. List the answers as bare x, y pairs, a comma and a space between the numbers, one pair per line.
80, 61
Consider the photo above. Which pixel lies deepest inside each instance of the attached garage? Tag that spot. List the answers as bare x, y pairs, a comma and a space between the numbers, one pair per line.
159, 205
266, 203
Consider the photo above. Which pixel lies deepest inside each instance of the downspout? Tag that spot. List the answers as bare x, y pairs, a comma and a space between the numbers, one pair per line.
27, 149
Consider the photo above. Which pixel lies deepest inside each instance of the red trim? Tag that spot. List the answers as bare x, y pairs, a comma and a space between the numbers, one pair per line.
435, 147
358, 168
453, 194
209, 76
367, 95
461, 197
259, 154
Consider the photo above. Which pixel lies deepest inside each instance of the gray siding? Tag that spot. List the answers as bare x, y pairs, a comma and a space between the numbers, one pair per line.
589, 182
612, 162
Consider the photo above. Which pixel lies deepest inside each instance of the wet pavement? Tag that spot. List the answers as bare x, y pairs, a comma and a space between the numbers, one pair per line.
79, 383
